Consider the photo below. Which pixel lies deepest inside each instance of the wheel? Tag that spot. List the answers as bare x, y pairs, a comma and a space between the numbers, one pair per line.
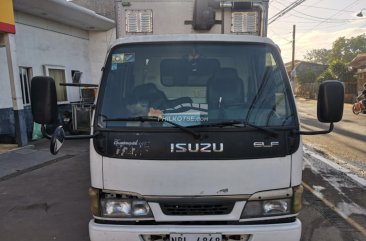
356, 109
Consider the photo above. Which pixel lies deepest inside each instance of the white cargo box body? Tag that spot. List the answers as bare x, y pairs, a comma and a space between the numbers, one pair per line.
145, 17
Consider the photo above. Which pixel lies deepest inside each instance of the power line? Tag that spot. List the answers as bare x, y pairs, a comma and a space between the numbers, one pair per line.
331, 16
280, 36
326, 19
285, 10
331, 9
315, 19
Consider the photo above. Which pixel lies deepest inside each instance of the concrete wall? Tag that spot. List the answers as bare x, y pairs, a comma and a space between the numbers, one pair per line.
5, 93
99, 44
42, 42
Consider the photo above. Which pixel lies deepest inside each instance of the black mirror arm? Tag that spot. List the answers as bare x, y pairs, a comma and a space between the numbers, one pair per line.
44, 132
310, 133
82, 137
76, 137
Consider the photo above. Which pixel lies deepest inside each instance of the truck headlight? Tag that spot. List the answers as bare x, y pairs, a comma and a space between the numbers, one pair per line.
124, 208
115, 205
265, 204
276, 207
116, 208
140, 208
266, 208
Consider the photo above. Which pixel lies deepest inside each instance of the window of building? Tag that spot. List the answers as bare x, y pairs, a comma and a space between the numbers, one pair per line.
25, 77
59, 75
76, 76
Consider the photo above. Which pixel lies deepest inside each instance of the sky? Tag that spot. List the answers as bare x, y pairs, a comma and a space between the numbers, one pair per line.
318, 24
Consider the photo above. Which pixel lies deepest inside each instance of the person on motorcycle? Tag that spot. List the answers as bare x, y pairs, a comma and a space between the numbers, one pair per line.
362, 96
360, 105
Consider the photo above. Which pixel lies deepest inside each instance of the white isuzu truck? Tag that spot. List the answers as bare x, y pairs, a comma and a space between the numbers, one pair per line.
195, 135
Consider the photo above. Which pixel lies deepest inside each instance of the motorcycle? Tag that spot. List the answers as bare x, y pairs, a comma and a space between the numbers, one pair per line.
358, 108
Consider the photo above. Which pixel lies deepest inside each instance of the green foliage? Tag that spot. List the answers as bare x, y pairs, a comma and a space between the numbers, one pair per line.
337, 70
326, 75
344, 49
319, 56
342, 52
340, 70
347, 49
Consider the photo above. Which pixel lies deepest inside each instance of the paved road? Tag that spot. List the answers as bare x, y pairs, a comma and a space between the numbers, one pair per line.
334, 202
51, 202
332, 184
346, 145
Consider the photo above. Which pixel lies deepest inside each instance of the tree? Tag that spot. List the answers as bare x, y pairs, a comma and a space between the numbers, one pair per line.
326, 75
319, 56
347, 49
339, 70
342, 49
342, 53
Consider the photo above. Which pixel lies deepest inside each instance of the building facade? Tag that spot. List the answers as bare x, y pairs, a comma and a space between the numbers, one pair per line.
53, 38
359, 64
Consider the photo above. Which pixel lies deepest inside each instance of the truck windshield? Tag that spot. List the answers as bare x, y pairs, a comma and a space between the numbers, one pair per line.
194, 84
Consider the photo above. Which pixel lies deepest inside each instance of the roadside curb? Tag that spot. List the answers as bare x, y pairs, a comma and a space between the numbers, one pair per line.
30, 146
354, 172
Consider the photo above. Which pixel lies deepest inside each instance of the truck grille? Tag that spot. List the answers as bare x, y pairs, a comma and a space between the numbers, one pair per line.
191, 209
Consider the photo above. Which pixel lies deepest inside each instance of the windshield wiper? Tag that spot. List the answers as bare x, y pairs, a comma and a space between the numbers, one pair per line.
259, 92
157, 119
235, 123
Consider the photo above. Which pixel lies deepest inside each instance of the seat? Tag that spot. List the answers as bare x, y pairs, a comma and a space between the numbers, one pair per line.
225, 94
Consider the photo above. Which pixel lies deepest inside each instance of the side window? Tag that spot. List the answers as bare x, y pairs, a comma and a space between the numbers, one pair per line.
25, 77
59, 75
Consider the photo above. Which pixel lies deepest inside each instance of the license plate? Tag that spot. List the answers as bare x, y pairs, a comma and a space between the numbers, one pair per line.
195, 237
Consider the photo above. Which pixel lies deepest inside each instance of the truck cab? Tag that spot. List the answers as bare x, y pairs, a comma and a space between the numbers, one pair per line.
195, 135
196, 141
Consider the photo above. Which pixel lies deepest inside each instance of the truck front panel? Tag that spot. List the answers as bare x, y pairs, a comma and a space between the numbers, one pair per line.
196, 141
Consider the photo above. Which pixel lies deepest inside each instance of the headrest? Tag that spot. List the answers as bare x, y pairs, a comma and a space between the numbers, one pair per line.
225, 87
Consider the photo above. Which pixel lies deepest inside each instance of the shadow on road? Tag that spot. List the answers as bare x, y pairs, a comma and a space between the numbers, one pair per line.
340, 131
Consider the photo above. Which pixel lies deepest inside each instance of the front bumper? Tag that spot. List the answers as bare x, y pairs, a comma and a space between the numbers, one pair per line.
265, 232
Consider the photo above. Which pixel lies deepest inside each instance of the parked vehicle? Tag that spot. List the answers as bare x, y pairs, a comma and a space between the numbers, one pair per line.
195, 137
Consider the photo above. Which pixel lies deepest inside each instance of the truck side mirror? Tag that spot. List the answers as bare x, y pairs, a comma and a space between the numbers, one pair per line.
57, 140
330, 101
43, 100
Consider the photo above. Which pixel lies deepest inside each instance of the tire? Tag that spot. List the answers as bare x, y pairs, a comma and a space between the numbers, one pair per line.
355, 110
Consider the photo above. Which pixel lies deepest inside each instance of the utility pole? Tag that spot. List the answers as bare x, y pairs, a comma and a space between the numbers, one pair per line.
293, 59
293, 47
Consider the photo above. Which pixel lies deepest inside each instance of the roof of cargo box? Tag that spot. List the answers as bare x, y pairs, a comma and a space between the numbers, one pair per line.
193, 38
